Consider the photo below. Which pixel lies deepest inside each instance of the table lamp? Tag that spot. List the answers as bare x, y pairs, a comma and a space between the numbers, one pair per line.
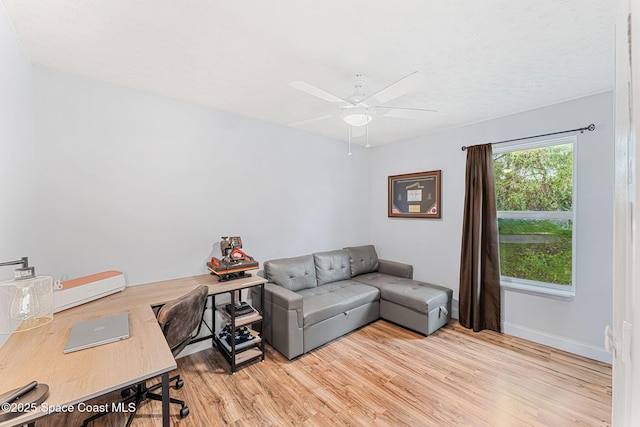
26, 302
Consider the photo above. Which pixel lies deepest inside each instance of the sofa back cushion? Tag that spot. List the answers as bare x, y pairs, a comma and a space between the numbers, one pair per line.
363, 259
332, 266
294, 274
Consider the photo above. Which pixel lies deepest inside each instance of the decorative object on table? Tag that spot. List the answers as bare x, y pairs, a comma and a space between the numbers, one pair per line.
26, 302
234, 263
22, 399
81, 290
415, 195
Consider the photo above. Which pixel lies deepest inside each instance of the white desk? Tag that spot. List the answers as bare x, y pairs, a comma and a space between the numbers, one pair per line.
36, 355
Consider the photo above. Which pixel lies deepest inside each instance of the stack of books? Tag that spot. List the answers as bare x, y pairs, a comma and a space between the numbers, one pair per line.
244, 312
242, 309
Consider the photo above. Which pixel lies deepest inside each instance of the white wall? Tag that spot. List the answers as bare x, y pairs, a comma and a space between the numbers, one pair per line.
17, 159
147, 185
433, 246
17, 177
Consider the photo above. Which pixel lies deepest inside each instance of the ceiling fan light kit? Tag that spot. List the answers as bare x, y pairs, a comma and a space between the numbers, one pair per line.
357, 118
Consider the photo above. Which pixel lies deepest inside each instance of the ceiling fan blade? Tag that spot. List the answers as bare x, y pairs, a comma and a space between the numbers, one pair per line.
408, 113
405, 85
304, 122
315, 91
406, 108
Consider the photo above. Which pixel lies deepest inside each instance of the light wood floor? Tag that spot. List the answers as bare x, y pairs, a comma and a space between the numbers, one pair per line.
384, 375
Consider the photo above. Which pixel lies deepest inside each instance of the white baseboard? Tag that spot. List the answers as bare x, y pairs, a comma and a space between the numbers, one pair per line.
561, 343
540, 337
551, 340
556, 341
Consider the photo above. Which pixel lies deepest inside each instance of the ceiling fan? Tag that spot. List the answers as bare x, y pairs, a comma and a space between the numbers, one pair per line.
359, 109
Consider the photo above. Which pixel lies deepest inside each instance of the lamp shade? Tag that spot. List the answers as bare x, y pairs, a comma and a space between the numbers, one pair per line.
25, 303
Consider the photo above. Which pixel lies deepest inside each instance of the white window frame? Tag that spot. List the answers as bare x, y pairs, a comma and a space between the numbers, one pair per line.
534, 286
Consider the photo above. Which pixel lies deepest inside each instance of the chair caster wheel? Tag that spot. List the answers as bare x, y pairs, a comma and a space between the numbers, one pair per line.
184, 412
125, 393
180, 384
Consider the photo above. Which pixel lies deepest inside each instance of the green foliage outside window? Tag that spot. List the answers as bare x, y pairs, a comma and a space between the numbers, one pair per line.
539, 180
528, 253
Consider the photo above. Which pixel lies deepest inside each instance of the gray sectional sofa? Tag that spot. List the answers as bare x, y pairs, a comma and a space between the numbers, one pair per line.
313, 299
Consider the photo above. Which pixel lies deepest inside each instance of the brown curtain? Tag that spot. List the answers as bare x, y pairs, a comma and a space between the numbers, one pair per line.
479, 306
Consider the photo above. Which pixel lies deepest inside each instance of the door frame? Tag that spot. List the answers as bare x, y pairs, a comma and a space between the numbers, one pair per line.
624, 340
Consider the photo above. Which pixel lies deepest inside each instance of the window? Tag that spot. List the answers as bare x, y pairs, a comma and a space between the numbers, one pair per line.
535, 204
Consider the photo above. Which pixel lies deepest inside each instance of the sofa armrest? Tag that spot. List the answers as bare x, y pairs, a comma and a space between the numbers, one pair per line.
283, 320
394, 268
283, 297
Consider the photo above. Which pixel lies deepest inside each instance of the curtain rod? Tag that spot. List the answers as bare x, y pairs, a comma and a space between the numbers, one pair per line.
591, 127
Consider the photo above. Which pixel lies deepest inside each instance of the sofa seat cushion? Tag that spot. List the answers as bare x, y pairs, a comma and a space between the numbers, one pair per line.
419, 296
326, 301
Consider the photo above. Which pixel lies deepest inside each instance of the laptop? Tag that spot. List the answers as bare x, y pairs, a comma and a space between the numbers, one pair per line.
94, 332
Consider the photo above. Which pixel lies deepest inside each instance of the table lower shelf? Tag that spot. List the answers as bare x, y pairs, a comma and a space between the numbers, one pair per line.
243, 355
248, 355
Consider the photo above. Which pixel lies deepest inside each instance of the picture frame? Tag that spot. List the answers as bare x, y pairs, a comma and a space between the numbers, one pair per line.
415, 195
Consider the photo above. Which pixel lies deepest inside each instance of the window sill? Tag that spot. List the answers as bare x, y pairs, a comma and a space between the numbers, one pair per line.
538, 290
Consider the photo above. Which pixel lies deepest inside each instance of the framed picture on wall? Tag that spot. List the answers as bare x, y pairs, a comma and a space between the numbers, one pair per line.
415, 195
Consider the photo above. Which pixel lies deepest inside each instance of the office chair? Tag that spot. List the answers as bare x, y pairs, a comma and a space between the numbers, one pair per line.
178, 319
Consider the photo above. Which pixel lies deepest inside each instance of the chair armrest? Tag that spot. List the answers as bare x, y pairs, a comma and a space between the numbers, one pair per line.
394, 268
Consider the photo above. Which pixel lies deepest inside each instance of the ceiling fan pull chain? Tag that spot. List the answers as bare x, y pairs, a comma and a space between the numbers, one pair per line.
349, 153
366, 132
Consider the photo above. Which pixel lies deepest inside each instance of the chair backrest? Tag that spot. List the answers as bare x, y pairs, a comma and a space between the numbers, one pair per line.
180, 317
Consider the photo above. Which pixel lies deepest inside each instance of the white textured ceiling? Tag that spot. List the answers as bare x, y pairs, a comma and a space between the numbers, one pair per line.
480, 59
